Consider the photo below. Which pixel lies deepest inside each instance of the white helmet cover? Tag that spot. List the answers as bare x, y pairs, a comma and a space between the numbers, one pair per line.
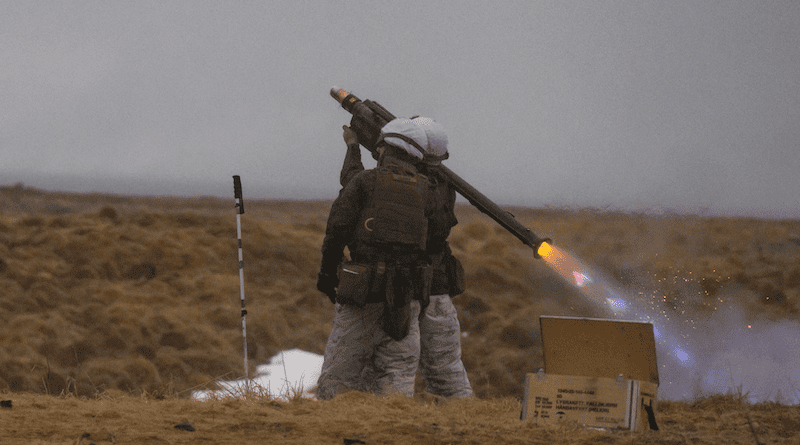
421, 137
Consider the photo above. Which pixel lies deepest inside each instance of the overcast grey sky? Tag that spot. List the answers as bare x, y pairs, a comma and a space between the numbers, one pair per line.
684, 105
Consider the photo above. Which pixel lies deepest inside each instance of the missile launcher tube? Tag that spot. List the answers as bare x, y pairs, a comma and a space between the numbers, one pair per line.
368, 119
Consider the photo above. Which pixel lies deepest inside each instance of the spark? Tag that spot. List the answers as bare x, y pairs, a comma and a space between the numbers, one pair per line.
617, 305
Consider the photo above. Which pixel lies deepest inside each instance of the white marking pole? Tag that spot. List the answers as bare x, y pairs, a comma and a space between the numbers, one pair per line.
237, 192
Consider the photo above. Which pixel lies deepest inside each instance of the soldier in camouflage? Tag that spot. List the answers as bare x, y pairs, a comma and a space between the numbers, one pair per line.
382, 216
438, 345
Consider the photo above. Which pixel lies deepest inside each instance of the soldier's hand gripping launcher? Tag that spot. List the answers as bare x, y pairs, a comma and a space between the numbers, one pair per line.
368, 119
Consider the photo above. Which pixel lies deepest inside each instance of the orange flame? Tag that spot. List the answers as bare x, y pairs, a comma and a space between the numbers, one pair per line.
566, 266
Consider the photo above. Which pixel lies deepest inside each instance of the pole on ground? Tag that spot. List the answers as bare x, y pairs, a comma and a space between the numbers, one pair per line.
237, 192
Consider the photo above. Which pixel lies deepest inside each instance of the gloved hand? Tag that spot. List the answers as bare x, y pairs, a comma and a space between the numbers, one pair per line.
350, 136
327, 283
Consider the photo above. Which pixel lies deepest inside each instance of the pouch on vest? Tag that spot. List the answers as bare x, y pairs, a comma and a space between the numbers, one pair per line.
455, 276
354, 283
423, 277
397, 308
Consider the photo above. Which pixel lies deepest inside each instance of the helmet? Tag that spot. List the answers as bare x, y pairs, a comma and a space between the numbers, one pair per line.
420, 137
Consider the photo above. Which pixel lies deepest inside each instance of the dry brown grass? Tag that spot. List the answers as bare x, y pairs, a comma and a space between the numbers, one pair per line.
116, 417
105, 294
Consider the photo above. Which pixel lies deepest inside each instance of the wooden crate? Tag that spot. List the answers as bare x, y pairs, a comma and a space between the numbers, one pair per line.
597, 402
600, 373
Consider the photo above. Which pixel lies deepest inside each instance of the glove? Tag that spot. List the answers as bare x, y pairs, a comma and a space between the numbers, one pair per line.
350, 136
327, 283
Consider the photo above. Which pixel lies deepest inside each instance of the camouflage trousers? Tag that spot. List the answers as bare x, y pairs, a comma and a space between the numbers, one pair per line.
356, 342
438, 352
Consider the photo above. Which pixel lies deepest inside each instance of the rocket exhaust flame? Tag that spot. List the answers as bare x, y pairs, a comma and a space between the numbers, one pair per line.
610, 301
572, 271
695, 359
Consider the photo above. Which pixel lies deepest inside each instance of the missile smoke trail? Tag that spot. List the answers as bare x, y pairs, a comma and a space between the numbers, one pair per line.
698, 357
678, 350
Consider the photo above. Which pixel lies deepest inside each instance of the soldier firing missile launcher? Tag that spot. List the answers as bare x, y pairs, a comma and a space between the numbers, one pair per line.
368, 119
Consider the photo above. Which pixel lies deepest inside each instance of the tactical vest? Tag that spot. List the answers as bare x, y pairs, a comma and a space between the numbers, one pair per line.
395, 216
392, 233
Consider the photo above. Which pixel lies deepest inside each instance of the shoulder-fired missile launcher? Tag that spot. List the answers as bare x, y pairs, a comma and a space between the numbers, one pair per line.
368, 119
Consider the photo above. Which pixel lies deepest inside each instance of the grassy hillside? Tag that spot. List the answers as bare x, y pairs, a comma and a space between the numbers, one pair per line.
114, 308
141, 294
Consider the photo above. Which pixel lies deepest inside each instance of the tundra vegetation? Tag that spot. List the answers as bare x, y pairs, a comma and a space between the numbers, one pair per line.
114, 308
